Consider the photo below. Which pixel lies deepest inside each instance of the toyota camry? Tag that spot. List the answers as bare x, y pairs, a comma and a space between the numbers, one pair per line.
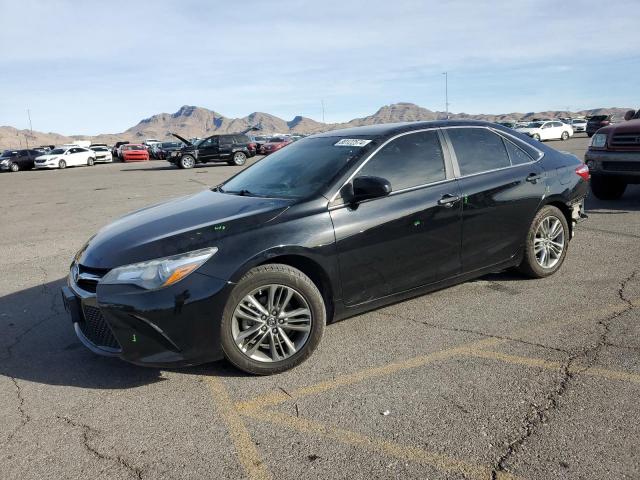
333, 225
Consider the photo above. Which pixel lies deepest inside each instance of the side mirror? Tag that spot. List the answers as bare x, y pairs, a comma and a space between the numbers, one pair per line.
365, 188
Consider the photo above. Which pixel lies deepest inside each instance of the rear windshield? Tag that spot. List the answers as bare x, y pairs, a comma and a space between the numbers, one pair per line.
599, 118
535, 125
298, 171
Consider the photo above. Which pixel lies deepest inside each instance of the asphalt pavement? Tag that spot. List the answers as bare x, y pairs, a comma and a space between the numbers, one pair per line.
501, 377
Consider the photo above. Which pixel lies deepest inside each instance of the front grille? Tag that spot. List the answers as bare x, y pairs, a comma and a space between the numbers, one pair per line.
626, 140
621, 166
88, 277
96, 329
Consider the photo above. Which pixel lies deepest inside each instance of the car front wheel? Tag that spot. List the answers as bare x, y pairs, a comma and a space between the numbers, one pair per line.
535, 136
187, 161
546, 243
14, 167
91, 161
273, 320
62, 164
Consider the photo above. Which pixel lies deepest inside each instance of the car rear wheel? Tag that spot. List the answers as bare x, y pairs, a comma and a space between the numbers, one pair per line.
274, 319
14, 167
187, 161
564, 136
62, 164
239, 159
607, 188
546, 244
535, 136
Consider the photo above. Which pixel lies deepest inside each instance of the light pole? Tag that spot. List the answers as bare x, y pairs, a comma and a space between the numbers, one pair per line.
322, 102
446, 93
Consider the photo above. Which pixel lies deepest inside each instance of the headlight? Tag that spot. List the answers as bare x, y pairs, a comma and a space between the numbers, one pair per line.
4, 162
161, 272
599, 140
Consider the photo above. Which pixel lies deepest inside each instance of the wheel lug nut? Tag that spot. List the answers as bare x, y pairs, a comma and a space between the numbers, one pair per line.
264, 317
275, 330
281, 321
264, 329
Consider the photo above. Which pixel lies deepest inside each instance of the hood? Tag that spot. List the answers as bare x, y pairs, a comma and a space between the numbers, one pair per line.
47, 156
630, 126
177, 226
182, 139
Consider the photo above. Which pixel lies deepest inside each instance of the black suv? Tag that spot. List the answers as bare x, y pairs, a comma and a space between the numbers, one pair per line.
14, 160
596, 122
233, 149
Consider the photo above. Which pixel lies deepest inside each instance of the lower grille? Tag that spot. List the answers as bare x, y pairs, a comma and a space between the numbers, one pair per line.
96, 329
621, 166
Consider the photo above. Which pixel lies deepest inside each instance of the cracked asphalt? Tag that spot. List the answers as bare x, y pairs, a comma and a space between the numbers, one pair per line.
501, 377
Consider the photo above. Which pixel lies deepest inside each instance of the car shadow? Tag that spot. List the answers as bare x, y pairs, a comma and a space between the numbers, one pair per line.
629, 202
38, 344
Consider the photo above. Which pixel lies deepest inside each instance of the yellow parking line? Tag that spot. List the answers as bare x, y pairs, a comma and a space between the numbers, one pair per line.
245, 448
551, 365
277, 397
405, 453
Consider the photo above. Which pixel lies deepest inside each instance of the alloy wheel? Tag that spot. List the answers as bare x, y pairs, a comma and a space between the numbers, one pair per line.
548, 243
271, 323
188, 161
14, 167
239, 158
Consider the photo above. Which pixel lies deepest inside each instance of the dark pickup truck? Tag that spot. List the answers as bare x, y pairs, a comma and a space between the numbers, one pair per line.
613, 158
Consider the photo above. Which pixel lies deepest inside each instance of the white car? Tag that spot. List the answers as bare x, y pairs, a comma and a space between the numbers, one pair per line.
551, 130
63, 157
103, 154
579, 125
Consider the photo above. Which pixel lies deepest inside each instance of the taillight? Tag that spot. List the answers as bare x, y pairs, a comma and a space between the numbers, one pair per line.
583, 171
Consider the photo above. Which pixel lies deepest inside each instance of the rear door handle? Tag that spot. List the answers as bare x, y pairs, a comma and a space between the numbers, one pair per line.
448, 200
533, 177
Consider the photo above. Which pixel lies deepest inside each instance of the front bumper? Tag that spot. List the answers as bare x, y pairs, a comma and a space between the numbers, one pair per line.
46, 165
622, 164
171, 327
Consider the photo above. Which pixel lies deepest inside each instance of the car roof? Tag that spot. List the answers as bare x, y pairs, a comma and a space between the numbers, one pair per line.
389, 129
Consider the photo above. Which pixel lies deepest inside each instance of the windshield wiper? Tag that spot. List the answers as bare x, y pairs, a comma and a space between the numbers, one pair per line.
243, 193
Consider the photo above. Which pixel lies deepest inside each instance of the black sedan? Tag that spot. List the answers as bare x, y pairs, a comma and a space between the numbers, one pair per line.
331, 226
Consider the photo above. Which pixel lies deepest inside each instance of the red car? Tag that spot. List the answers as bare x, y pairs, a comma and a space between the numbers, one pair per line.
275, 144
134, 153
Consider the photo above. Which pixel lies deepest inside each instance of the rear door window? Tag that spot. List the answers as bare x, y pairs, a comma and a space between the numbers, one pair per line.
478, 150
408, 161
516, 154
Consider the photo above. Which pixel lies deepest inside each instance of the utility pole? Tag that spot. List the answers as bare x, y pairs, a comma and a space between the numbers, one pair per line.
30, 128
446, 93
322, 103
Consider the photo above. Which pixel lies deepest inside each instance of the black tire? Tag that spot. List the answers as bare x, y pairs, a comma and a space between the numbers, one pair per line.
91, 161
14, 167
564, 136
257, 277
535, 136
238, 159
589, 135
187, 161
607, 188
62, 164
529, 265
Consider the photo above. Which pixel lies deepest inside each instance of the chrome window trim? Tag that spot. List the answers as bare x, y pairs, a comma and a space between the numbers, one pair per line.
395, 192
447, 167
495, 131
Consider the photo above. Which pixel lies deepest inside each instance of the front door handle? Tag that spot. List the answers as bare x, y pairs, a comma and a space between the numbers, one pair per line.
533, 177
448, 200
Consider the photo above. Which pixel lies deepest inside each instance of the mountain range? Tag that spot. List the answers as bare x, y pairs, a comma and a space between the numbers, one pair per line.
191, 121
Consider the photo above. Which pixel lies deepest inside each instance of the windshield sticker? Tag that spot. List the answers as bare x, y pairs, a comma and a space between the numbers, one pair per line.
352, 142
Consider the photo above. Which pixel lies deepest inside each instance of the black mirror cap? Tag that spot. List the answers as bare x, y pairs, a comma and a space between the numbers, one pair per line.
365, 188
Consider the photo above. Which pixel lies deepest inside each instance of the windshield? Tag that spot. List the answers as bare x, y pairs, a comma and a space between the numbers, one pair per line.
534, 125
100, 149
277, 140
57, 151
169, 144
133, 147
298, 171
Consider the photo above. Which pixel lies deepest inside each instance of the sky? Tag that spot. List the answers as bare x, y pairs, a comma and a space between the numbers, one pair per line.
89, 67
